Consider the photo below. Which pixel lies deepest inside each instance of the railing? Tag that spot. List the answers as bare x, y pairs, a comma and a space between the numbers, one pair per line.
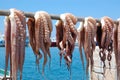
31, 14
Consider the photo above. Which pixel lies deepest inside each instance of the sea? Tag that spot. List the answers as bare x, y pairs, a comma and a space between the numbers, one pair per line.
55, 72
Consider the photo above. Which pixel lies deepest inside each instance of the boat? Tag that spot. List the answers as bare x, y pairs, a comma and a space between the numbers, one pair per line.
2, 41
53, 42
2, 74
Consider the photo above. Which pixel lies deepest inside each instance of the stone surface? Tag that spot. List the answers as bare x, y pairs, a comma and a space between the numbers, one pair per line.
98, 73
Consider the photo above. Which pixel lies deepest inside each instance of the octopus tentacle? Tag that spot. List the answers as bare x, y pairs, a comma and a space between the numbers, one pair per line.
71, 20
68, 56
68, 32
72, 17
107, 29
7, 43
49, 22
118, 51
47, 34
31, 30
47, 26
43, 36
20, 20
69, 37
46, 30
37, 36
67, 28
22, 36
14, 43
115, 40
39, 33
71, 47
89, 44
66, 36
17, 36
80, 39
94, 30
42, 46
21, 16
59, 32
59, 36
37, 30
86, 46
106, 38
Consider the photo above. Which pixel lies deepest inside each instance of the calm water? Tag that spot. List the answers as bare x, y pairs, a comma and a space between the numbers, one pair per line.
56, 72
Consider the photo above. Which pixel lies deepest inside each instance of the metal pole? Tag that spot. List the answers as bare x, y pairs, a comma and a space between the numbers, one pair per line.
30, 14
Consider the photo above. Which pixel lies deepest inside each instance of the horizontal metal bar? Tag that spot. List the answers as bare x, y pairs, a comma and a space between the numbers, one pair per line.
53, 16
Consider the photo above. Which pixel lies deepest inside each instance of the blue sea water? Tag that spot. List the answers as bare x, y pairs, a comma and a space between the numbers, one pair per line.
56, 72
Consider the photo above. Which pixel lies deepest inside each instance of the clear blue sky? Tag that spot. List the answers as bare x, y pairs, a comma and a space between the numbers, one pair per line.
81, 8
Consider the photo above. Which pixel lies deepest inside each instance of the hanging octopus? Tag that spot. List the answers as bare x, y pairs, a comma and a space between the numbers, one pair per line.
15, 36
86, 33
66, 36
40, 28
104, 39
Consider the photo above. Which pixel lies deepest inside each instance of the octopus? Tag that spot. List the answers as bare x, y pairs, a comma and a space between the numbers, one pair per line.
40, 28
105, 39
66, 34
15, 36
116, 47
86, 34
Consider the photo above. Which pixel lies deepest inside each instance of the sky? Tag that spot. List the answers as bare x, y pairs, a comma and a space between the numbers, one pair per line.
81, 8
